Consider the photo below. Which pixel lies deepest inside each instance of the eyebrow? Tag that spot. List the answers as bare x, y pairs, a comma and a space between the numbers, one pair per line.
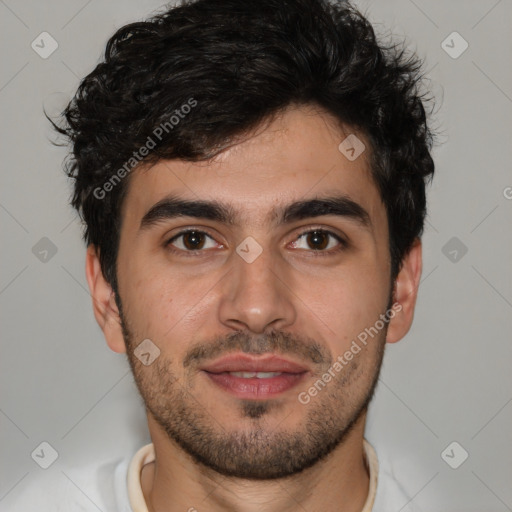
173, 207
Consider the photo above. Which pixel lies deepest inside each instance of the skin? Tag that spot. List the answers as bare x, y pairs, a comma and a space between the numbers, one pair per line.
286, 301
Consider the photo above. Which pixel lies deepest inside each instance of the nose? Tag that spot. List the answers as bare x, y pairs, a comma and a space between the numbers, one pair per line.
257, 295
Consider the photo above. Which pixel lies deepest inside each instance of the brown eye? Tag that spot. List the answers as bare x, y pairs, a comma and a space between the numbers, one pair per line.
317, 239
320, 241
191, 240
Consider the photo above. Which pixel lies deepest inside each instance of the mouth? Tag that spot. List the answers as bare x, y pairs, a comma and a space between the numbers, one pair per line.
255, 377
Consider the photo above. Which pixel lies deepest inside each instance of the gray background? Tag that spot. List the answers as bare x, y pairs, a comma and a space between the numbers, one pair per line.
448, 380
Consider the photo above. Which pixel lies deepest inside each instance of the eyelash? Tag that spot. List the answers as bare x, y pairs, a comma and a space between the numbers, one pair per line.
343, 244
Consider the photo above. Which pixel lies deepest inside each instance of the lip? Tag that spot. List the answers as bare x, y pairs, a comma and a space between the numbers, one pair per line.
253, 387
246, 363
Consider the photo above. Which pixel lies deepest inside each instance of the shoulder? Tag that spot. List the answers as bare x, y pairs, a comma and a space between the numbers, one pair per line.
62, 488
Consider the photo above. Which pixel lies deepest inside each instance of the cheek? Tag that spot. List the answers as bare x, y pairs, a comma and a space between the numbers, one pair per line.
165, 304
348, 304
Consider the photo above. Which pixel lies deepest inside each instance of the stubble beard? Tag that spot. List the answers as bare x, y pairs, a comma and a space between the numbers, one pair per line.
251, 449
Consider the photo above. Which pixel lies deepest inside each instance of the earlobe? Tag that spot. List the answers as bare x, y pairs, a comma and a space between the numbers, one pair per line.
103, 301
405, 293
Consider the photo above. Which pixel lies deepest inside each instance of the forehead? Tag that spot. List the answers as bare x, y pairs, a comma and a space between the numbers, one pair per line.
297, 156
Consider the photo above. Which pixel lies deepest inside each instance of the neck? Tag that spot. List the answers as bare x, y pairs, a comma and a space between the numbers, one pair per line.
175, 482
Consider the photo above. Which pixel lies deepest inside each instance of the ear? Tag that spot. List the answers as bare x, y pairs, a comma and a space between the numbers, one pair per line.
103, 301
405, 293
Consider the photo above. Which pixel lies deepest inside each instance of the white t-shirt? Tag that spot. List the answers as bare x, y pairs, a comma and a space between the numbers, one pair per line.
116, 487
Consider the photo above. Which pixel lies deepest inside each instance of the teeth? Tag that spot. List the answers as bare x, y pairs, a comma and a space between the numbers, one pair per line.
258, 375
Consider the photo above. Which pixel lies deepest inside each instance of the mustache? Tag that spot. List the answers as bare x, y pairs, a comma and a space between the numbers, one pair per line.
275, 342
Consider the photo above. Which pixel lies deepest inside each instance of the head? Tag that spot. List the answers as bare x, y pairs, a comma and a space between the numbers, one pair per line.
295, 149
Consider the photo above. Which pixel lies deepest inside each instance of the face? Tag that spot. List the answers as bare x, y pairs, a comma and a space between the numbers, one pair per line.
252, 303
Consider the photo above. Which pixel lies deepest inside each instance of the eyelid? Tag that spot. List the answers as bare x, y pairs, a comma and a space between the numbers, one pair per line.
324, 229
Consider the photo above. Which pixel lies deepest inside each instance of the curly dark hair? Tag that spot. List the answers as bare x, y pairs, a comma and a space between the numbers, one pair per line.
242, 62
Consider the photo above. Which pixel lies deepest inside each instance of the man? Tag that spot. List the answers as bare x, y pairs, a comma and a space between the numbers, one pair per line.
252, 180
